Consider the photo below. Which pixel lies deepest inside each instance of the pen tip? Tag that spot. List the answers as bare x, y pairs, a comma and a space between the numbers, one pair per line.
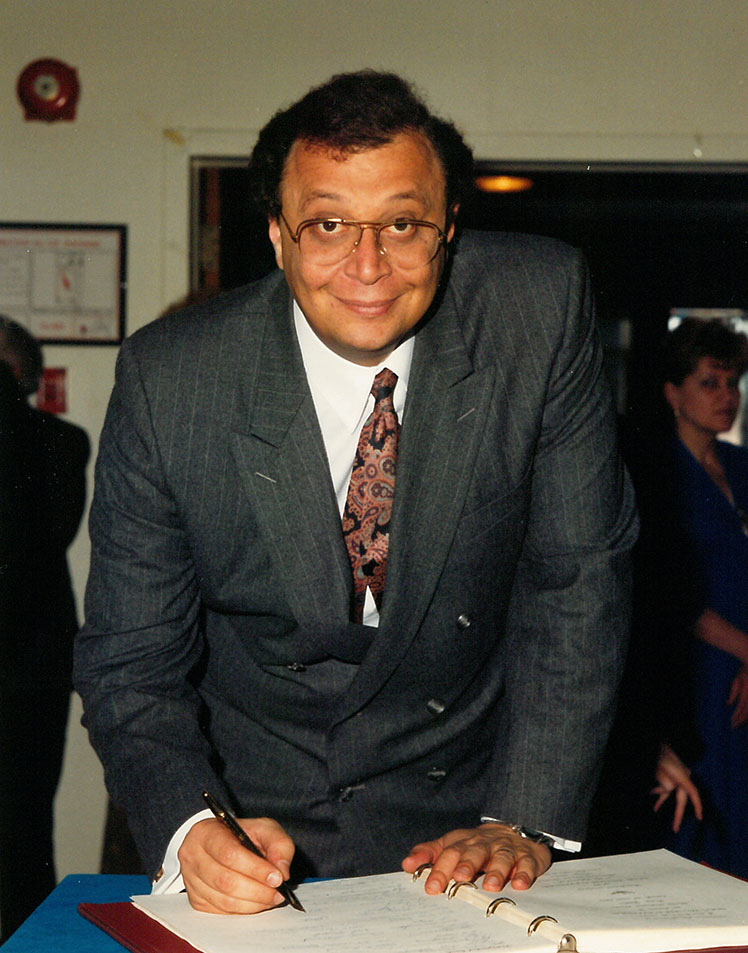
294, 900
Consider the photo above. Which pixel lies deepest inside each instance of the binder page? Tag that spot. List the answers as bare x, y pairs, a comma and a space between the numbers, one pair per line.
645, 902
387, 913
648, 902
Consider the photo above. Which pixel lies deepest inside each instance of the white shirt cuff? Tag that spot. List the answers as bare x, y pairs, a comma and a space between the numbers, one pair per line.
561, 843
170, 880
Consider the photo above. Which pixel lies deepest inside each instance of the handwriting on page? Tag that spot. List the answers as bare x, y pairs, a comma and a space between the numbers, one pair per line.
386, 914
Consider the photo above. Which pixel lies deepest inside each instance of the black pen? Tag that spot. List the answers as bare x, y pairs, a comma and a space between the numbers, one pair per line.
225, 816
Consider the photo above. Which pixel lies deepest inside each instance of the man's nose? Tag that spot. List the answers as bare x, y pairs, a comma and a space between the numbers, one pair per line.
366, 262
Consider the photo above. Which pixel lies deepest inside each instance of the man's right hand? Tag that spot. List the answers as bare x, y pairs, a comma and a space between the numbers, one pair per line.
221, 876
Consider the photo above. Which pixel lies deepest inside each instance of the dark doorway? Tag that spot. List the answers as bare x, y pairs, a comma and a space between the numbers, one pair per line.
656, 237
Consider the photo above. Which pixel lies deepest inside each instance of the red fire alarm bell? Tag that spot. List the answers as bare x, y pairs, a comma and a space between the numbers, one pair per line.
48, 89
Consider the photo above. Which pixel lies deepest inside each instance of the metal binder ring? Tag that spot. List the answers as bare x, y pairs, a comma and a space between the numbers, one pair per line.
536, 923
419, 870
495, 904
452, 892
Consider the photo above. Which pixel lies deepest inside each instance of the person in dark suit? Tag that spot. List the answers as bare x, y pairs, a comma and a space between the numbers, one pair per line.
42, 496
453, 711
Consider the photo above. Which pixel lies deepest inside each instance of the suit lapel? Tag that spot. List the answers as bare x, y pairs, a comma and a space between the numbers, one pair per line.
279, 451
443, 421
278, 448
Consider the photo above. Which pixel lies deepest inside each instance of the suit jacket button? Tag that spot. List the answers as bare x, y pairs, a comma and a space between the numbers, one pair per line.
296, 667
436, 774
435, 706
345, 794
464, 621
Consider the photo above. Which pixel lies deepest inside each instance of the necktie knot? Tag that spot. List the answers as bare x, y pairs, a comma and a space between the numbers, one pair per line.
384, 385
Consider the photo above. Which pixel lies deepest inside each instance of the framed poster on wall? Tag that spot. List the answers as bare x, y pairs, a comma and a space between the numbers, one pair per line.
65, 283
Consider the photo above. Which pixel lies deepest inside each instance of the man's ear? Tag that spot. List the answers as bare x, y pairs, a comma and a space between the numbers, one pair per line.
274, 234
452, 219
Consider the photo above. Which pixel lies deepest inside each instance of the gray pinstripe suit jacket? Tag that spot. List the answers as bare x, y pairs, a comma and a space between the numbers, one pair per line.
217, 652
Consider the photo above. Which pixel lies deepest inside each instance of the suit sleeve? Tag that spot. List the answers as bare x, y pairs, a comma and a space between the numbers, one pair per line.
569, 613
142, 639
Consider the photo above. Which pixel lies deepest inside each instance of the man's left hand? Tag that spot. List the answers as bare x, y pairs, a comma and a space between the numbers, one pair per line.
494, 849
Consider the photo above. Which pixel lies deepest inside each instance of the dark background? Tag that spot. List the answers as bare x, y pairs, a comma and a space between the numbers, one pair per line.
656, 237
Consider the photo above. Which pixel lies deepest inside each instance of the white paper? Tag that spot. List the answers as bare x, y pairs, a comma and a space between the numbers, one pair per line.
630, 903
383, 914
641, 903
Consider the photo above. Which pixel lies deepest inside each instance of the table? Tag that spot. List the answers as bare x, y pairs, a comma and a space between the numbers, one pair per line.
57, 927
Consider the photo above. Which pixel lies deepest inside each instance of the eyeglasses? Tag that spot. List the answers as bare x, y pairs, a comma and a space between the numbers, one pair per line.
408, 243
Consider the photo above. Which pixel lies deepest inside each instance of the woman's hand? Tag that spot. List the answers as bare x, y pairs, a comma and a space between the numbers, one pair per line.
672, 775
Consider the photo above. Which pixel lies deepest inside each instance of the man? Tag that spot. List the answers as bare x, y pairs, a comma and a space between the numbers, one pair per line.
241, 639
42, 496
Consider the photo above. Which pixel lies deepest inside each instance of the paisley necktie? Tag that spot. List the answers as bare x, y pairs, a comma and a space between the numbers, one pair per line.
368, 506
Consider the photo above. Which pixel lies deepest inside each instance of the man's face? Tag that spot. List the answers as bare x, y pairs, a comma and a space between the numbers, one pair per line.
362, 306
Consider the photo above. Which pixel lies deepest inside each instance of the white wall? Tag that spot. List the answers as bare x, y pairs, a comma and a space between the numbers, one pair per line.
582, 79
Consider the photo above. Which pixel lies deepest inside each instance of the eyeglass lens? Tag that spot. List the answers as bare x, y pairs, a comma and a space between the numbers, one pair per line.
406, 244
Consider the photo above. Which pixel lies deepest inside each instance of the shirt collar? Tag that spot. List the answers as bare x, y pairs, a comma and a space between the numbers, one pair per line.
345, 387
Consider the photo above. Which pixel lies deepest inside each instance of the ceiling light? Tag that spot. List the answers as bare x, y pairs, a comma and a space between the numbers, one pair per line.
503, 183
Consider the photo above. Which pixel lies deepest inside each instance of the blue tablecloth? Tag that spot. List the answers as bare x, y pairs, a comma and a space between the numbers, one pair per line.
57, 927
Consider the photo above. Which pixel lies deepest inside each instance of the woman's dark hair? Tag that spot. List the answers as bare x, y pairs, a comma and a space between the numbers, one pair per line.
349, 113
695, 338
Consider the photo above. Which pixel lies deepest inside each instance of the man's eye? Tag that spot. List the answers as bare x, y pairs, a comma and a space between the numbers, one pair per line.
329, 228
402, 227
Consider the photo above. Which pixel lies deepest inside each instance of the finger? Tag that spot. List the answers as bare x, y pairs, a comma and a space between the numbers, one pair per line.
220, 874
663, 796
529, 867
499, 868
665, 782
213, 888
207, 899
471, 860
420, 854
455, 862
695, 798
273, 841
681, 799
692, 792
663, 792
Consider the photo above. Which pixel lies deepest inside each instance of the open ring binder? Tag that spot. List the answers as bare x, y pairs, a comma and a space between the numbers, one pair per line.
532, 927
566, 942
507, 909
491, 908
456, 884
650, 902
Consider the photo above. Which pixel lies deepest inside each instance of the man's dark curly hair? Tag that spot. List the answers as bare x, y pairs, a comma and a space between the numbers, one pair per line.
695, 338
349, 113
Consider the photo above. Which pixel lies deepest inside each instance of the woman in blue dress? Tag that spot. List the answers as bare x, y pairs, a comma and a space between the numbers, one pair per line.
703, 363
